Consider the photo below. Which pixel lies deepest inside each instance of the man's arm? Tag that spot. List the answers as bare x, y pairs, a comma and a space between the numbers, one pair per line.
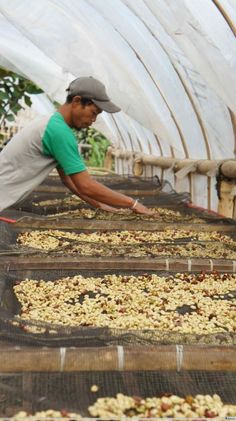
98, 195
97, 191
67, 181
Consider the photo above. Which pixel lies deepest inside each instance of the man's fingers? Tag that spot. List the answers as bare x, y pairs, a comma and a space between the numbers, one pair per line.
143, 210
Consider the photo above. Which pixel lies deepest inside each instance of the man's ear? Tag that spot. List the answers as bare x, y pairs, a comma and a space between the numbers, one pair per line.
76, 99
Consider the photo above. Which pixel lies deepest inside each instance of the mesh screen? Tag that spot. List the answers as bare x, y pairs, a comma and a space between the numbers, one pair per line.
8, 236
34, 202
140, 187
72, 391
39, 204
115, 181
57, 335
124, 184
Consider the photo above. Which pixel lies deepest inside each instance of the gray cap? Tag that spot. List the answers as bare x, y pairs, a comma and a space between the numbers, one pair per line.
93, 89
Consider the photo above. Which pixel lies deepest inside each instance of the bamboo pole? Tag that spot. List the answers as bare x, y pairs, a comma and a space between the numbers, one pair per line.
138, 168
208, 167
108, 161
226, 202
161, 162
228, 169
205, 167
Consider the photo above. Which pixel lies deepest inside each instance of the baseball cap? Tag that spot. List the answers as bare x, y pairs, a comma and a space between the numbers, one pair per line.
93, 89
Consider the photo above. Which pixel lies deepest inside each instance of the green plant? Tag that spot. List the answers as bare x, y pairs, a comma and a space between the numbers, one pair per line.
14, 88
94, 156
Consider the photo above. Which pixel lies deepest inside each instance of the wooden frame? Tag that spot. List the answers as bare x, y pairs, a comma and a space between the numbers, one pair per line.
149, 358
34, 261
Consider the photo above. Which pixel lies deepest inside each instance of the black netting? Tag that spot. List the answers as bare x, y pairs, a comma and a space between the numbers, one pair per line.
72, 391
8, 237
41, 333
131, 182
125, 184
114, 181
58, 204
161, 190
44, 203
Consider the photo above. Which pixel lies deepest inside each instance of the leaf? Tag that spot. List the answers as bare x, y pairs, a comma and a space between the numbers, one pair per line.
31, 88
3, 95
27, 100
16, 108
17, 94
10, 117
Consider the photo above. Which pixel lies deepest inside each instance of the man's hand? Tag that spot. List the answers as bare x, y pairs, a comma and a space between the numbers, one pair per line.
139, 208
108, 208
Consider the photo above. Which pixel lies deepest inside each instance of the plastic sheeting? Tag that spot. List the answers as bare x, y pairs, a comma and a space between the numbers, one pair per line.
170, 66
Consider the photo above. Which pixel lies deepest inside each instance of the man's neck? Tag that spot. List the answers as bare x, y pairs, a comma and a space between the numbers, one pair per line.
64, 110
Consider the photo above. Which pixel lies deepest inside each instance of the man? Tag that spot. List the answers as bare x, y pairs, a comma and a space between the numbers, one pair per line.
49, 142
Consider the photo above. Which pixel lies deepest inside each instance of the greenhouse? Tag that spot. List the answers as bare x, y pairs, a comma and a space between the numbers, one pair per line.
117, 209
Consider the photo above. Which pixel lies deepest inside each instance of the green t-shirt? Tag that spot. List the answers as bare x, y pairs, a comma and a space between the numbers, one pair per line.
60, 143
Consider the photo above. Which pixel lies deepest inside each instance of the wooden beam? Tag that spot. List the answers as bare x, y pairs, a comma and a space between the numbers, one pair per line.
134, 358
228, 168
108, 161
226, 202
138, 168
157, 161
205, 167
49, 262
208, 167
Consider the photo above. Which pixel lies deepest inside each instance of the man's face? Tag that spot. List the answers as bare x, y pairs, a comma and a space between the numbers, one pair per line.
83, 116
